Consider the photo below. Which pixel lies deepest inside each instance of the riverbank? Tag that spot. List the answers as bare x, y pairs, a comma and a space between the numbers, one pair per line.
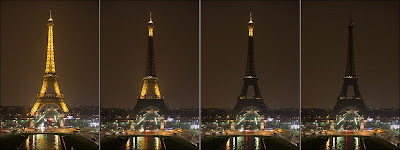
79, 142
11, 141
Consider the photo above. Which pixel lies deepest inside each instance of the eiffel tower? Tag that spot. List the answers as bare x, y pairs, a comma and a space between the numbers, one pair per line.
246, 99
49, 94
346, 99
146, 100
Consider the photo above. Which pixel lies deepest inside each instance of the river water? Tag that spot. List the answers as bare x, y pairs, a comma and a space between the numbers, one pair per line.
143, 142
42, 141
244, 142
344, 143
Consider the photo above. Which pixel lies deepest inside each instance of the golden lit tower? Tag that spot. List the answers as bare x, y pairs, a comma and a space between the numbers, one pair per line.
150, 95
49, 94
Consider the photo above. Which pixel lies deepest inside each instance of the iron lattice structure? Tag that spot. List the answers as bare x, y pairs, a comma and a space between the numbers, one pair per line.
150, 81
48, 94
250, 79
350, 82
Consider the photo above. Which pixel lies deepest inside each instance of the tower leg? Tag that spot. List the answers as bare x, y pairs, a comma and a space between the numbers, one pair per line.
64, 107
35, 108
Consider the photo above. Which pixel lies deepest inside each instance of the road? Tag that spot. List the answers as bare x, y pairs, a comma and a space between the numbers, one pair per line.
187, 134
388, 136
345, 133
191, 136
162, 133
58, 130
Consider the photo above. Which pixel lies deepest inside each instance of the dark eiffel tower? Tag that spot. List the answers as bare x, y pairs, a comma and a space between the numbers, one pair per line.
350, 82
250, 80
145, 100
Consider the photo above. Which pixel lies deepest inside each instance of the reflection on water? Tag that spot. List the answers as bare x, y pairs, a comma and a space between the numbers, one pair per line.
43, 141
244, 142
344, 143
143, 142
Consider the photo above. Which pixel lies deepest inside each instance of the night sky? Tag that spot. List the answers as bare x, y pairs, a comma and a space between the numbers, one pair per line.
324, 51
124, 37
224, 51
24, 45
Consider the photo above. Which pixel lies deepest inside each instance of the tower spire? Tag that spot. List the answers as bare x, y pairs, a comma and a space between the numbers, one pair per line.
50, 18
350, 68
50, 64
251, 19
150, 68
250, 68
151, 20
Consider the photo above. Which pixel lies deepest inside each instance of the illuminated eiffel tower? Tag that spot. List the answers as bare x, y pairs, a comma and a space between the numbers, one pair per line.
346, 99
150, 96
49, 94
248, 100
